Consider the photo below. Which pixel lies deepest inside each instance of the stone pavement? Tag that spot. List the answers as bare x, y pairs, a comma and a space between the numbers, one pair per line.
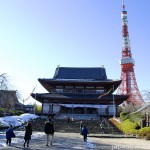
74, 141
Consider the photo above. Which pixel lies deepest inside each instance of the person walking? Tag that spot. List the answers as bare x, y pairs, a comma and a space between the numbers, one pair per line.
102, 127
49, 131
81, 126
28, 133
9, 134
85, 133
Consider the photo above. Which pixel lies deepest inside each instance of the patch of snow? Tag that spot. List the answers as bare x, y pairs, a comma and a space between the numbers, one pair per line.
16, 121
89, 144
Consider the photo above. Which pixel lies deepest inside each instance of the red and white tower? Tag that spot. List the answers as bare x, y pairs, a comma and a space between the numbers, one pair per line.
129, 84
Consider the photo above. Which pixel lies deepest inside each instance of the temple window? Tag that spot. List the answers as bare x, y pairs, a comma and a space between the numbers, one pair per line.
69, 89
46, 108
59, 90
100, 91
90, 89
79, 89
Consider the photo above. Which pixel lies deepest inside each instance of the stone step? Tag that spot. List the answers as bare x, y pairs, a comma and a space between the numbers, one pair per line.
78, 116
62, 125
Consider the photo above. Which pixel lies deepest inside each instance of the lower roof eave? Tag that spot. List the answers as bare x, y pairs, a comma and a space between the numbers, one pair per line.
105, 100
58, 101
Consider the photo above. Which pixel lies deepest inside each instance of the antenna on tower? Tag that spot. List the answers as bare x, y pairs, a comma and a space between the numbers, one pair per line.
123, 5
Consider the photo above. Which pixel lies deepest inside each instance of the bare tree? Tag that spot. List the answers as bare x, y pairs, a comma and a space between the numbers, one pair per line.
8, 96
146, 95
3, 82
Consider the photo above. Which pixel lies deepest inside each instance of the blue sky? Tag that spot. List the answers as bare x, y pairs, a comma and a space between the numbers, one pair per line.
38, 35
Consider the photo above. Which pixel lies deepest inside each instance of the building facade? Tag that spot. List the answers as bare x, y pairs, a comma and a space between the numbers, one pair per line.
9, 100
80, 91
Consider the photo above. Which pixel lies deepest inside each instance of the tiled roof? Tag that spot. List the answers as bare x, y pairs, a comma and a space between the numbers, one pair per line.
97, 73
67, 98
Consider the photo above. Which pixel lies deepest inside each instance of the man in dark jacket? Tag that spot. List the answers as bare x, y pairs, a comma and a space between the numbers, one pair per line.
49, 131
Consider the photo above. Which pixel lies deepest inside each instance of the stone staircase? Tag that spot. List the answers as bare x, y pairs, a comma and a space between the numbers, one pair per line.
78, 116
62, 125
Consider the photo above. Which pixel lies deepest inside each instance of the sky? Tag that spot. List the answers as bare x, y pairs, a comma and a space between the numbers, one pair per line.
36, 36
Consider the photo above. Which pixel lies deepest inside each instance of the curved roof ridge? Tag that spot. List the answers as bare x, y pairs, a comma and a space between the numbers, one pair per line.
96, 73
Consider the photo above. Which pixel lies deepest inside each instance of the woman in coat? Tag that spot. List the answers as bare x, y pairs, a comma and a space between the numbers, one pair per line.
28, 133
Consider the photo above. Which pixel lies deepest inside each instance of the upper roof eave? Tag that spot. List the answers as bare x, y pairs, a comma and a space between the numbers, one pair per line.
51, 80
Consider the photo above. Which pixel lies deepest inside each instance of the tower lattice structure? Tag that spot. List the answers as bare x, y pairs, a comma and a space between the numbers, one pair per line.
129, 85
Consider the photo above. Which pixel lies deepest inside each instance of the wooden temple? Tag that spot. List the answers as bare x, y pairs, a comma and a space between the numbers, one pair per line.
79, 90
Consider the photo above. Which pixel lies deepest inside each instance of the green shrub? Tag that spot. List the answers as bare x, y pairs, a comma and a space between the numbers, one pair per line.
130, 124
124, 116
16, 112
1, 114
3, 110
144, 131
38, 108
136, 117
147, 136
128, 127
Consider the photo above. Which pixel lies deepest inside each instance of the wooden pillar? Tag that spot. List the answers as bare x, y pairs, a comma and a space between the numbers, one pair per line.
42, 106
85, 110
52, 108
72, 109
116, 109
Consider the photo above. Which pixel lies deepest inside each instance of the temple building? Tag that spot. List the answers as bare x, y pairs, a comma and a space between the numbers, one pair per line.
78, 90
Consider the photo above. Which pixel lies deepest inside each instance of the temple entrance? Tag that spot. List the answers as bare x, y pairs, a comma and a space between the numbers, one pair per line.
78, 110
68, 110
91, 111
101, 110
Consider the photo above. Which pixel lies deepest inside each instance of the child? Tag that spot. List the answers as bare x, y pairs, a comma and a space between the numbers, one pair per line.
9, 135
84, 133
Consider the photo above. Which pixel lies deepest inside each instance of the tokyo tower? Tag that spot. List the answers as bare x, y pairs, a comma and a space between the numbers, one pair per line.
129, 85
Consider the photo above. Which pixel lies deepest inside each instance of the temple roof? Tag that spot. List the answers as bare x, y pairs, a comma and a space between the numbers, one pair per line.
79, 76
94, 73
69, 98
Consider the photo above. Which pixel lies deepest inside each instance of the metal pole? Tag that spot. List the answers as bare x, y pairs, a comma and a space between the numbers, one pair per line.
114, 103
35, 99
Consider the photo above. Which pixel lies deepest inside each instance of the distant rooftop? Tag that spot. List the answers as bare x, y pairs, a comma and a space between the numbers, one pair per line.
94, 73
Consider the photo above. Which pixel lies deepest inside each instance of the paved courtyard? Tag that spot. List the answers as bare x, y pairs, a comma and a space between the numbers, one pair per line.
74, 141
